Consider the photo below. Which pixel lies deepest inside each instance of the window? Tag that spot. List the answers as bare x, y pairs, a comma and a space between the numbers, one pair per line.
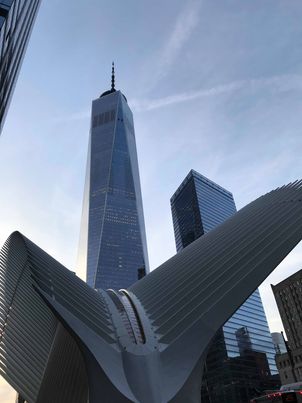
103, 118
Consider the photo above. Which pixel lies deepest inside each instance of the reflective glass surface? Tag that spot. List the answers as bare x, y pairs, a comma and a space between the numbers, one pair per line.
16, 22
241, 358
115, 246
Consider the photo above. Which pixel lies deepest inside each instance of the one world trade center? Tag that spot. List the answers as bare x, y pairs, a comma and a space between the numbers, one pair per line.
113, 247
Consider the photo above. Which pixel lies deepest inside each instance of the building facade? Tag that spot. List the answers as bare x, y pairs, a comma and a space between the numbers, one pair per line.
241, 359
16, 22
279, 343
288, 295
113, 247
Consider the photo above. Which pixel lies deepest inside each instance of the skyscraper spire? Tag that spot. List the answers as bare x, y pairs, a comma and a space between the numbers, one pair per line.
112, 89
113, 78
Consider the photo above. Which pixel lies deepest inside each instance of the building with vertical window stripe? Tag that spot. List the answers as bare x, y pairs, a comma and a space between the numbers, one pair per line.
241, 358
113, 247
16, 22
288, 295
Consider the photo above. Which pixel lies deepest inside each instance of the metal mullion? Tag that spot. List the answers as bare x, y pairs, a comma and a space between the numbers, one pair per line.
11, 345
73, 298
266, 256
211, 251
62, 289
14, 331
11, 283
232, 261
14, 335
30, 317
11, 276
18, 55
270, 198
177, 277
208, 256
20, 296
18, 257
166, 318
2, 281
4, 26
272, 245
96, 300
23, 366
27, 18
28, 322
19, 372
40, 313
229, 258
40, 275
68, 276
3, 302
198, 305
56, 274
4, 311
82, 317
18, 9
288, 224
104, 333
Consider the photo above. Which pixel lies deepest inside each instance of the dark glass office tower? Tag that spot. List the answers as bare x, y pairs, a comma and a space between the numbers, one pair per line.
241, 361
113, 242
16, 22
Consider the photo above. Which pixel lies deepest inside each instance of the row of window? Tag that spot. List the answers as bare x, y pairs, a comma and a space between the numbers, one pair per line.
286, 362
290, 287
103, 118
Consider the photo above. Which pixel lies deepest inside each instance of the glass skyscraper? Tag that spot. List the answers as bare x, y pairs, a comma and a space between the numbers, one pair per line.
16, 22
113, 247
240, 361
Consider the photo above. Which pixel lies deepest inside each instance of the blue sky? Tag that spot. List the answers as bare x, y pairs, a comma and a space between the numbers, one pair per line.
214, 85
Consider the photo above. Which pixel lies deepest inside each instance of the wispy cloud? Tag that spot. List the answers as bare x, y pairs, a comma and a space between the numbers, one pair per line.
183, 27
280, 83
277, 83
80, 115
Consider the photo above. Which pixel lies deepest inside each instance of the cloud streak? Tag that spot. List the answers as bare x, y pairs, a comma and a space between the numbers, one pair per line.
276, 84
183, 27
185, 24
81, 115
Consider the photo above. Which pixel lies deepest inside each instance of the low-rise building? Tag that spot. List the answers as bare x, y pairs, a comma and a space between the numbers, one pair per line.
288, 295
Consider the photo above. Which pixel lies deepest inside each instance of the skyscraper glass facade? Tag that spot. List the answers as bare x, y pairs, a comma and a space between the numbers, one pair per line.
16, 22
241, 358
113, 244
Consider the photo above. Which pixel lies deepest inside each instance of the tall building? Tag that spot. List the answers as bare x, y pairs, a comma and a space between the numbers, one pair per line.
241, 358
113, 247
16, 22
288, 295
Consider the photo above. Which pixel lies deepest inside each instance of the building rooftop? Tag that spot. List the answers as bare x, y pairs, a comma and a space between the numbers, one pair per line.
289, 280
198, 176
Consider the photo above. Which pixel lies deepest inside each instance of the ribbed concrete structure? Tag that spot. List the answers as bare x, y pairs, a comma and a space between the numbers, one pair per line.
63, 342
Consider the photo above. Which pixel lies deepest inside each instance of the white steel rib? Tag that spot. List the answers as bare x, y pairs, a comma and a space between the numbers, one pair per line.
63, 342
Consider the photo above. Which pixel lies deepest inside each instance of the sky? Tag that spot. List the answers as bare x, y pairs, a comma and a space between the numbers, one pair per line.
213, 85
